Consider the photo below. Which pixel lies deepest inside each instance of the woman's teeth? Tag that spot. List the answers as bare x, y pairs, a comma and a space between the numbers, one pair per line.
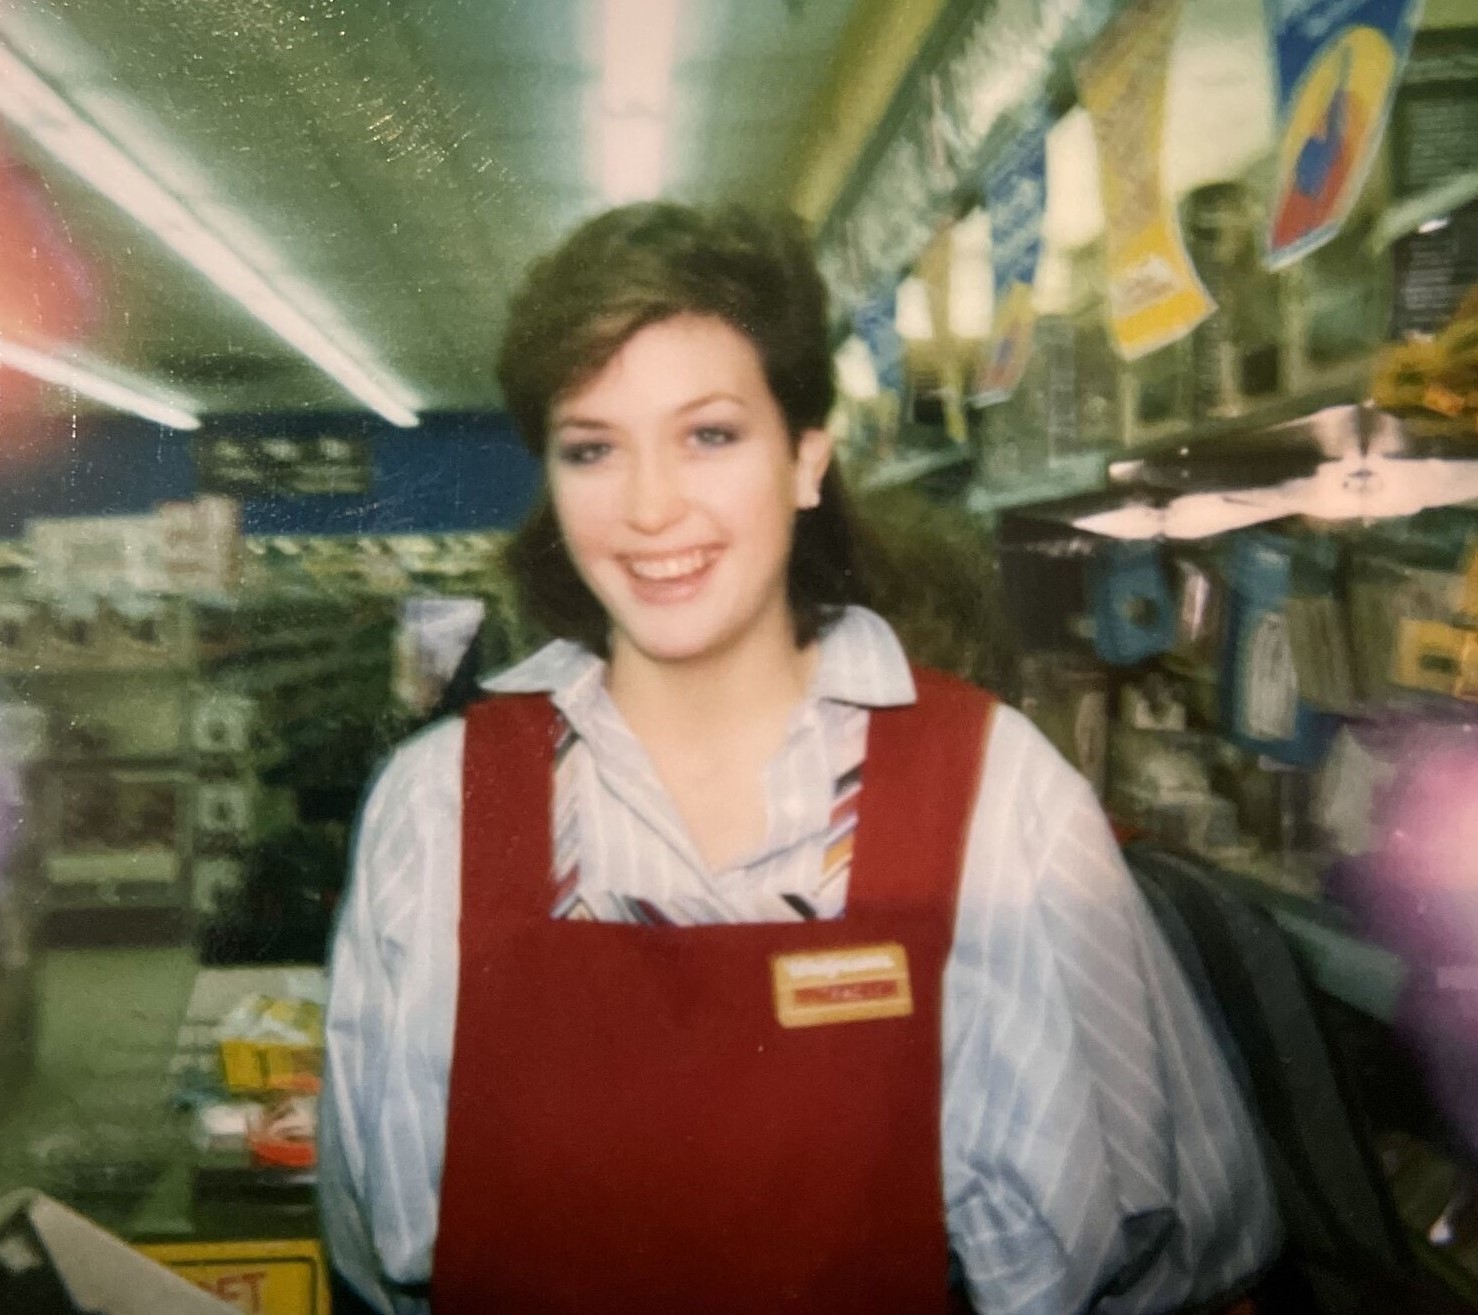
669, 568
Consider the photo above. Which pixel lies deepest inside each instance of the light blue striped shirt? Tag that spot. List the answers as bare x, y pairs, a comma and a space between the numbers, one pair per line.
1095, 1152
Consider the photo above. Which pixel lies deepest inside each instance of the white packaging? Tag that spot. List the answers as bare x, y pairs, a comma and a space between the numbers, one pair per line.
100, 555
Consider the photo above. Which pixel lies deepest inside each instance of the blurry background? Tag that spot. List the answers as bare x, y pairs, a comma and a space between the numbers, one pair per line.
1158, 349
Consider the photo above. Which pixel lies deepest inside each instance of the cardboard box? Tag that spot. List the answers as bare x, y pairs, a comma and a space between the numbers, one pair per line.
41, 1241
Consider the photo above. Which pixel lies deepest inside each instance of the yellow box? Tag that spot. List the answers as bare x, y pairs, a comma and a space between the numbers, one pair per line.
270, 1066
1432, 655
288, 1058
259, 1278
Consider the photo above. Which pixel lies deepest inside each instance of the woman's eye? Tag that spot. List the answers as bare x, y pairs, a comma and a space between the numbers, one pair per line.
715, 436
585, 453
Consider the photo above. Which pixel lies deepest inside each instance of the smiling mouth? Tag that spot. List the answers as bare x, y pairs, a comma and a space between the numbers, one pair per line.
673, 567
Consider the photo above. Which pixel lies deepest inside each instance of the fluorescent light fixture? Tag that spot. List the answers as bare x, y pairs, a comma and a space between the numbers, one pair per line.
28, 102
631, 157
1433, 225
68, 374
638, 53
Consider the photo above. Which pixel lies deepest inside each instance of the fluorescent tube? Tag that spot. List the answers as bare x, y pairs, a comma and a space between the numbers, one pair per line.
28, 102
68, 374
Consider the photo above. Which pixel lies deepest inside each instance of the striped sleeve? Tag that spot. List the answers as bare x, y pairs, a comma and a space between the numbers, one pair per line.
388, 1038
1096, 1154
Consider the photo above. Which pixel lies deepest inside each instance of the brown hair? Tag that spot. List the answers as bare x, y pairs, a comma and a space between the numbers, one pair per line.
639, 265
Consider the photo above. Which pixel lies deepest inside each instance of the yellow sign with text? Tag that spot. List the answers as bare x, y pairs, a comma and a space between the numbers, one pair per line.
258, 1278
1154, 294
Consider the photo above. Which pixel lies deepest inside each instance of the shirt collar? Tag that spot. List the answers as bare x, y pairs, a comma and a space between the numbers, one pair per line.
862, 663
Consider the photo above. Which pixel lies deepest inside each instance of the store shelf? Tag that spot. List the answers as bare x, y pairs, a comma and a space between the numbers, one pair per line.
1065, 478
1436, 203
907, 470
120, 868
158, 766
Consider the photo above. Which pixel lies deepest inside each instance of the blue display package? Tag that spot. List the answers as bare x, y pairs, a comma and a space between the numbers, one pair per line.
1263, 708
1132, 601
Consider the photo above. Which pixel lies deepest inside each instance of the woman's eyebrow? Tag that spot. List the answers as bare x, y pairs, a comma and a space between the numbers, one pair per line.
562, 423
706, 399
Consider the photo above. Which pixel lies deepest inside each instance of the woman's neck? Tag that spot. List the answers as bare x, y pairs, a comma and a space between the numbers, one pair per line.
746, 691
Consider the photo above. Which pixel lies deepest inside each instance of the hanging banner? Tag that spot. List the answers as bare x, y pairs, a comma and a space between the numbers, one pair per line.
876, 323
1154, 296
1015, 194
1337, 63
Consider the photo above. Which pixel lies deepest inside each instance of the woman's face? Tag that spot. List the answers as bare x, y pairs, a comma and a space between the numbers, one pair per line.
676, 484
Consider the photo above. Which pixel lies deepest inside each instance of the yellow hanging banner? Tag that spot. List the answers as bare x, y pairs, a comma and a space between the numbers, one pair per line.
1154, 295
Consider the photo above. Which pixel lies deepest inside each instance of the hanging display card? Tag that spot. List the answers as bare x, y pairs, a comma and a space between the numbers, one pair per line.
1154, 296
273, 466
1014, 190
1336, 65
876, 323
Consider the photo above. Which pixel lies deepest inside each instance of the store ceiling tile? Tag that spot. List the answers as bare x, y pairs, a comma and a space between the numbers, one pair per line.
396, 164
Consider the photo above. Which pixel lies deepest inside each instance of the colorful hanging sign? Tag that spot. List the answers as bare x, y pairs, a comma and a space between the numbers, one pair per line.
1337, 64
1015, 195
876, 323
1154, 296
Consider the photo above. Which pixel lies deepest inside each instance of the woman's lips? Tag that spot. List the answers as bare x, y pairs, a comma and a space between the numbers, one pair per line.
671, 577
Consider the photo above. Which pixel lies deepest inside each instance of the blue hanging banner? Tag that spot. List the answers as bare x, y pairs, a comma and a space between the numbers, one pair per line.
876, 323
1337, 64
1014, 190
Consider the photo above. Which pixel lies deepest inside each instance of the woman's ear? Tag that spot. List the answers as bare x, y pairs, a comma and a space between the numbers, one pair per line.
812, 457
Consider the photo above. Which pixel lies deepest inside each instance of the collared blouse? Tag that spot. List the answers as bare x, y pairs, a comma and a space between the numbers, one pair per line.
1095, 1152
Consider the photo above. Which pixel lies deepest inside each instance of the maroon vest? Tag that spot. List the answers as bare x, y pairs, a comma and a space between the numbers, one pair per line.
631, 1128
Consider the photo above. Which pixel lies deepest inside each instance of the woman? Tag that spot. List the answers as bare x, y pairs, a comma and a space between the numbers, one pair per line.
720, 962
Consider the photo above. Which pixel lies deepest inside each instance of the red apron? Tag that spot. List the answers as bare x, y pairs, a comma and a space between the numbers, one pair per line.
630, 1128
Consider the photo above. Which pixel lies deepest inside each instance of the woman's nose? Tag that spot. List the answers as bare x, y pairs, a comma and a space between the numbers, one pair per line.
654, 496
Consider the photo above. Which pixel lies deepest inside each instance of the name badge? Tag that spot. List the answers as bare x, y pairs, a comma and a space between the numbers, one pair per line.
845, 985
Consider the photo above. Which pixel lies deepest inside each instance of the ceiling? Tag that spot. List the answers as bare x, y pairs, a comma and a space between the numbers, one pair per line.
389, 166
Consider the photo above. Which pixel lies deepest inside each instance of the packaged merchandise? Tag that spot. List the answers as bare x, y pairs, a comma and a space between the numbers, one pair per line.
1156, 395
1200, 615
272, 1044
1383, 594
202, 545
1263, 705
1066, 696
98, 555
1133, 608
1161, 783
1235, 350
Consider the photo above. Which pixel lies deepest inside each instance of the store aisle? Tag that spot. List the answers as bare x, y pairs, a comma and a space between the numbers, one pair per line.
92, 1126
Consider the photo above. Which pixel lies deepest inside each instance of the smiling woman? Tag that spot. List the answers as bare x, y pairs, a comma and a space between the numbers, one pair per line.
676, 485
721, 960
645, 266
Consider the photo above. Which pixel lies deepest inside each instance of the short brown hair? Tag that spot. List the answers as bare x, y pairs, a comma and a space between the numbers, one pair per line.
640, 265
